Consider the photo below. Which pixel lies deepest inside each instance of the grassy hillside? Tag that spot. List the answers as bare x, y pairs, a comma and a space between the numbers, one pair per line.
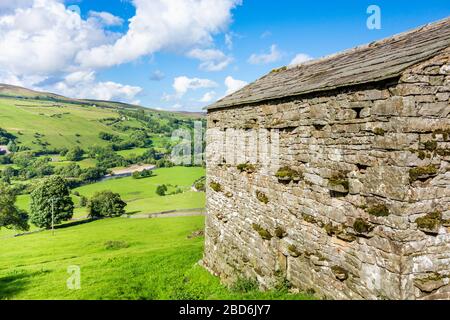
151, 259
59, 125
49, 121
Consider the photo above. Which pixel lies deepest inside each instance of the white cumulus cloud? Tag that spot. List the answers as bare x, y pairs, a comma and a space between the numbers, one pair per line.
106, 18
183, 84
45, 38
11, 5
234, 85
83, 85
264, 58
163, 24
212, 59
208, 97
300, 58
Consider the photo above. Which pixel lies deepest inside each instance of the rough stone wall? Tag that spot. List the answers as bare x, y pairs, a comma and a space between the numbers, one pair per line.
364, 212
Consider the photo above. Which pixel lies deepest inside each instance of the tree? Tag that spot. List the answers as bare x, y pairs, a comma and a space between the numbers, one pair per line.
143, 174
106, 204
10, 216
92, 174
12, 146
51, 195
161, 190
83, 201
75, 154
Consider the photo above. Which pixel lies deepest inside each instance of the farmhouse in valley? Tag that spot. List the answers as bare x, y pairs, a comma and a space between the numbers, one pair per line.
335, 174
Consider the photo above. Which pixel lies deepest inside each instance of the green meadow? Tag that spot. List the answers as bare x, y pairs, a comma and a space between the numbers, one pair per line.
118, 259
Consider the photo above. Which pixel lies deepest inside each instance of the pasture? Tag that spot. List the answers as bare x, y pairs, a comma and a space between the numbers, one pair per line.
118, 259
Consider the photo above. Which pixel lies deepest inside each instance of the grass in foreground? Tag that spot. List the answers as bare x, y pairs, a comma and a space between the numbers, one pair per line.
155, 260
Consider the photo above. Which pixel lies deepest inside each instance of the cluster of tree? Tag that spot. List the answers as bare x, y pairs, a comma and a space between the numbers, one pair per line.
15, 147
143, 174
26, 167
73, 154
137, 139
106, 157
5, 159
79, 176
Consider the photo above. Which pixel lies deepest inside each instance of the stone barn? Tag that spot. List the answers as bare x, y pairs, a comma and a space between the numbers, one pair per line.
335, 174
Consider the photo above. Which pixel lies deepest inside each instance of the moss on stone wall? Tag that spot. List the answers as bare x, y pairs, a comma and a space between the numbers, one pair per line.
379, 210
293, 251
379, 131
430, 223
287, 174
422, 173
361, 226
339, 183
264, 234
215, 186
280, 232
430, 145
262, 197
246, 167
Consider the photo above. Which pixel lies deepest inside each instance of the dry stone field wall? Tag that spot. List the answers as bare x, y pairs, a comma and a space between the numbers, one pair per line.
359, 206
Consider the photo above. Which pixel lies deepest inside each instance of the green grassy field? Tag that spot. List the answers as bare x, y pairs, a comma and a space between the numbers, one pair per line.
157, 261
141, 194
85, 163
135, 152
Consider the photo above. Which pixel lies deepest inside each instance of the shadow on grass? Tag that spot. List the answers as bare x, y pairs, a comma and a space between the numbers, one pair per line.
75, 223
132, 213
16, 282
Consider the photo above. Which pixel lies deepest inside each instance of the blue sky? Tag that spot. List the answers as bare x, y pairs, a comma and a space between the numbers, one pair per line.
249, 38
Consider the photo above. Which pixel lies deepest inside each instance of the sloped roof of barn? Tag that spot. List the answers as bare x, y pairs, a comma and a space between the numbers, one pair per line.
377, 61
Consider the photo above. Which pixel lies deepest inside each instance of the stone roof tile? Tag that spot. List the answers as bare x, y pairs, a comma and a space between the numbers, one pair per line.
377, 61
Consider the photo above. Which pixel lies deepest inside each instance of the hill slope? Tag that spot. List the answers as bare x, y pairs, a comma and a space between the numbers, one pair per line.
42, 120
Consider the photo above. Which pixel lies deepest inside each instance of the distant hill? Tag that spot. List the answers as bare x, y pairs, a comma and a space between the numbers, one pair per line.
7, 90
43, 121
16, 92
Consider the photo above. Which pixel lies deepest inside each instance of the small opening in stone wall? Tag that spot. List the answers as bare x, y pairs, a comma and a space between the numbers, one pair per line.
362, 167
319, 126
288, 129
215, 121
358, 112
337, 194
423, 179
